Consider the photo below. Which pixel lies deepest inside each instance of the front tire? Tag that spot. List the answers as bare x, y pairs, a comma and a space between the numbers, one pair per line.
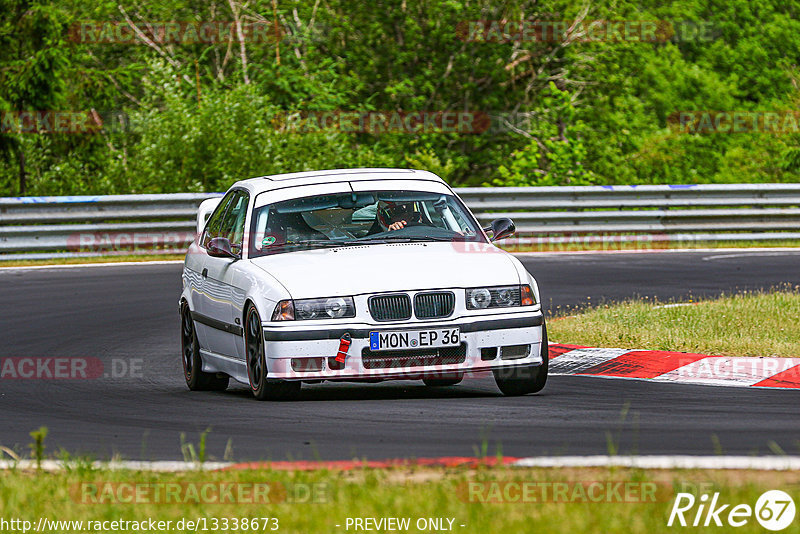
263, 388
517, 381
196, 378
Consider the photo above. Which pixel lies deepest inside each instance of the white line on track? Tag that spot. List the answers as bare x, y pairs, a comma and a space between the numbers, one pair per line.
770, 463
755, 253
80, 265
158, 466
743, 251
763, 463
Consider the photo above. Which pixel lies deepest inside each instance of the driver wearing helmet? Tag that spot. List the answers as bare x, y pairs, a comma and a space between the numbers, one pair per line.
396, 215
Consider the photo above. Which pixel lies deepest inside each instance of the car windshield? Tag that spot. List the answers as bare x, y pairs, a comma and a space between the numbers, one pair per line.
357, 218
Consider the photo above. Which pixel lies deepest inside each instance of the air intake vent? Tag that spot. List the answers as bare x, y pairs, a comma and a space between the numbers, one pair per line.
390, 307
434, 305
514, 352
306, 365
388, 359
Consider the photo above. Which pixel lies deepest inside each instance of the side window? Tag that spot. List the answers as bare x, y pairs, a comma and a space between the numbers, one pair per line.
213, 225
232, 224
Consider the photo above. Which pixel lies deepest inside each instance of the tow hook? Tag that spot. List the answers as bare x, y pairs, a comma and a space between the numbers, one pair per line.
344, 346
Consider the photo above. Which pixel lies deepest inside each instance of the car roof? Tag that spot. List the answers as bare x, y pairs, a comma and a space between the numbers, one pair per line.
280, 181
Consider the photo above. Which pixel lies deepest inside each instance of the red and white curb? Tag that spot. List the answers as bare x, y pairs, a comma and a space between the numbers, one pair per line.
680, 367
762, 463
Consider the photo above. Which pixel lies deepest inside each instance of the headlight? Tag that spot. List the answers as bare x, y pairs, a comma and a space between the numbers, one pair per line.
338, 307
500, 297
479, 298
304, 309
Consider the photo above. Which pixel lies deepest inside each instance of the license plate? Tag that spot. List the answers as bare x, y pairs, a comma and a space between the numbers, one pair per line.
414, 339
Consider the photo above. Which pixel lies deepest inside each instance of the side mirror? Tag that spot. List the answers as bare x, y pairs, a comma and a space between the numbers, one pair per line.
220, 247
501, 228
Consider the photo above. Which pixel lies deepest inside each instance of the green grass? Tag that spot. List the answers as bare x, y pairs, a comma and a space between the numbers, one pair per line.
91, 259
400, 492
743, 324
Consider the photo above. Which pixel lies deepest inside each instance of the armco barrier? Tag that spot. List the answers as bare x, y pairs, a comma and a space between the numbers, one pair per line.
97, 225
94, 225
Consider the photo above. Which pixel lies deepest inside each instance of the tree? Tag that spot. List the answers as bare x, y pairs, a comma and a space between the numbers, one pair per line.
32, 61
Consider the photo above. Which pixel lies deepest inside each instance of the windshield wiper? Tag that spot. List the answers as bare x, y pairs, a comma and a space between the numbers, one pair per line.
408, 239
326, 243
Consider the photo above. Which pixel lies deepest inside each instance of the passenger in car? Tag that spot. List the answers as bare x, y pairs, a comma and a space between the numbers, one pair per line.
291, 227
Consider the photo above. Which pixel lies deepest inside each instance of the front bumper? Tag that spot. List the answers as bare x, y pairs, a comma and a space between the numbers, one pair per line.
298, 352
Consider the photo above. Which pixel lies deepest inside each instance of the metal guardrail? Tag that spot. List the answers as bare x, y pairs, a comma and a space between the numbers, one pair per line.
97, 225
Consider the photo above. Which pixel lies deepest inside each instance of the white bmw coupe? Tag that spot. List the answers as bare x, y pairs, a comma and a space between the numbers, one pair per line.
354, 275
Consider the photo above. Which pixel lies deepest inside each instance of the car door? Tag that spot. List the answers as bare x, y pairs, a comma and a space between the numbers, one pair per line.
222, 299
198, 273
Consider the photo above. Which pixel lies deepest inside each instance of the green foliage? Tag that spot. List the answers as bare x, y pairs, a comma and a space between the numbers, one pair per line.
556, 154
427, 159
201, 115
37, 446
190, 454
32, 63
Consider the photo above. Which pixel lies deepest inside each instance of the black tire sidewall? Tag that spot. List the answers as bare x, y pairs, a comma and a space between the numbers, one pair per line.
259, 388
525, 379
192, 379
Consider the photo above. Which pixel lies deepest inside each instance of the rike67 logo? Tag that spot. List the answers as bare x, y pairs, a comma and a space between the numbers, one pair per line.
774, 510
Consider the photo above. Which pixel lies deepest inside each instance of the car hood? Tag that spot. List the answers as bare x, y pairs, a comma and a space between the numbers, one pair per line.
357, 270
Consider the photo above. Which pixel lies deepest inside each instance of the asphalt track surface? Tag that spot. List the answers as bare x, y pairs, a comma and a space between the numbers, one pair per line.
129, 314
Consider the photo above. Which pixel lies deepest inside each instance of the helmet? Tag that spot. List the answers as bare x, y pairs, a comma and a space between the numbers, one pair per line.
390, 212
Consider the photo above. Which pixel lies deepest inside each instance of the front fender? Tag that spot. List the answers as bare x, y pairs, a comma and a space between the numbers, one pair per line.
525, 277
264, 290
